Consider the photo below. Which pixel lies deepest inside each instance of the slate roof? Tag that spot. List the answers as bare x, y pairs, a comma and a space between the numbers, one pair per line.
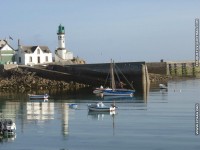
31, 49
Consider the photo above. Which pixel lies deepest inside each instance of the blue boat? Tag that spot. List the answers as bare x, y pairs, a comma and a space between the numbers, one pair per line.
100, 107
33, 96
113, 91
118, 92
73, 106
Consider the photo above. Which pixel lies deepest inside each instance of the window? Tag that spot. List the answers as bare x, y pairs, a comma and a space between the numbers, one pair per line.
46, 58
20, 60
38, 51
30, 59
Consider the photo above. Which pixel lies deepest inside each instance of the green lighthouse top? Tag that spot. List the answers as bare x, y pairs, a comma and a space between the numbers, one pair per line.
61, 29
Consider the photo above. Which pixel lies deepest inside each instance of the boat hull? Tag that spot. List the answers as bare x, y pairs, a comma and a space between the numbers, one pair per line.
117, 93
38, 96
92, 107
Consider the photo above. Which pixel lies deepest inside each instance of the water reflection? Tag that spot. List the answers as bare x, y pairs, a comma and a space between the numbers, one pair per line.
39, 111
7, 138
65, 119
100, 115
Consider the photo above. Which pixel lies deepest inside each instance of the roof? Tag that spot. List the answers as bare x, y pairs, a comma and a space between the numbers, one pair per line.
31, 49
4, 43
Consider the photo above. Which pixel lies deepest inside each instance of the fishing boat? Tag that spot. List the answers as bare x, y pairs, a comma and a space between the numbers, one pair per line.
7, 127
116, 91
33, 96
100, 107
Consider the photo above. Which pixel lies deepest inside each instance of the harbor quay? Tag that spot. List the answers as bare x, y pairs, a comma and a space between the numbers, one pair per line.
139, 74
174, 68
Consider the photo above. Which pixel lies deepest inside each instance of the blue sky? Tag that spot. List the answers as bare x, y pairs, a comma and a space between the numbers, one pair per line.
98, 30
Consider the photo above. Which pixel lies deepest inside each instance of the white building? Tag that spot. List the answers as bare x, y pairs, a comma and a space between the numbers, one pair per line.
61, 53
32, 55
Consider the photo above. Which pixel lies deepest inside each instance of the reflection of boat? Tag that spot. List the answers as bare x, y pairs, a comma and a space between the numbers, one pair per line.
162, 86
7, 127
33, 96
100, 107
73, 106
7, 138
100, 115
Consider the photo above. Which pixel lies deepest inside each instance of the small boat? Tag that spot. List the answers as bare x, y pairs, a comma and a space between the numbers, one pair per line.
73, 106
162, 86
7, 127
32, 96
100, 90
100, 107
118, 92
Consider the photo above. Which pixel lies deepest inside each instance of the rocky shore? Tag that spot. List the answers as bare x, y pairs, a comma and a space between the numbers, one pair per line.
19, 80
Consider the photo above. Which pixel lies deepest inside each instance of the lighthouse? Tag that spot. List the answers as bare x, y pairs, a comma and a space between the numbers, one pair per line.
61, 53
61, 37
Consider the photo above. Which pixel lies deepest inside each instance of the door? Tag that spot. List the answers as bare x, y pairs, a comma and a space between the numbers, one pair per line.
38, 60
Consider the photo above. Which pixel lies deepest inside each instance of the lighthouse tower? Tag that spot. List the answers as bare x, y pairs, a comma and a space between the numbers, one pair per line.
61, 53
61, 37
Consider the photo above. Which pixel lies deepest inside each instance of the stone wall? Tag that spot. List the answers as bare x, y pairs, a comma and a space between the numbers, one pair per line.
157, 67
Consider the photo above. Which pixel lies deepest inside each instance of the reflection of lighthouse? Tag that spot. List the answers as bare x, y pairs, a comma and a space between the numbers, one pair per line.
61, 54
65, 114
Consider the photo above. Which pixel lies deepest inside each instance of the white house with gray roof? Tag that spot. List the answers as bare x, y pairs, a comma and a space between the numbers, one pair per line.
33, 55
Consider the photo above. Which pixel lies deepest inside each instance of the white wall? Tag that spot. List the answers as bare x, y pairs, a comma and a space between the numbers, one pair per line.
25, 57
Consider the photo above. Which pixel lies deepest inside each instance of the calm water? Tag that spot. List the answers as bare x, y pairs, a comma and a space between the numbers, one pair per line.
163, 121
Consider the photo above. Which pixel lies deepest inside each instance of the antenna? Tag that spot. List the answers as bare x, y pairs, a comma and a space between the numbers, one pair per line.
196, 42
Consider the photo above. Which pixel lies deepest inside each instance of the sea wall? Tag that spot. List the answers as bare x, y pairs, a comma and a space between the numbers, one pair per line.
174, 69
157, 67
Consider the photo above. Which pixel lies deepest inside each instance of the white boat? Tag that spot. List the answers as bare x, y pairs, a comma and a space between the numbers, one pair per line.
33, 96
101, 89
162, 86
7, 127
100, 107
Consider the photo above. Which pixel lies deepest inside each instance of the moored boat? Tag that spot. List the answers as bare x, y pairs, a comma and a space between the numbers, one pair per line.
33, 96
7, 127
162, 86
73, 106
100, 107
118, 92
100, 90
